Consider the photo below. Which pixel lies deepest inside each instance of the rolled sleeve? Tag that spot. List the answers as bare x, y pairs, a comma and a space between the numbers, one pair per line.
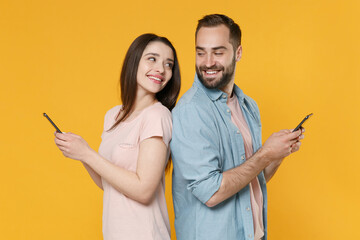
203, 189
195, 151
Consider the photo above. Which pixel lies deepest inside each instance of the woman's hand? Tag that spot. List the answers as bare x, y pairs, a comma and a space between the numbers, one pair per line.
72, 146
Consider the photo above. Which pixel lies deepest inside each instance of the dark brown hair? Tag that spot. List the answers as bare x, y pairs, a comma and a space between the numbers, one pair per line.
214, 20
128, 77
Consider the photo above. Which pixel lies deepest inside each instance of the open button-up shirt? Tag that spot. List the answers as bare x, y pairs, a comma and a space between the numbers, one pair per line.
205, 143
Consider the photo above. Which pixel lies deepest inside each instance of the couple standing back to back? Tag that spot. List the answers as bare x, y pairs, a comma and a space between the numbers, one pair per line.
220, 165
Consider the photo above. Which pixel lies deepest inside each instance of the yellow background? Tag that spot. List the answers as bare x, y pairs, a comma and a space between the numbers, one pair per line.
64, 58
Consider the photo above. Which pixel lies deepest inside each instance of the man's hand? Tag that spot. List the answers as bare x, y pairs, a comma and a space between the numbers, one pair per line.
268, 159
281, 144
296, 146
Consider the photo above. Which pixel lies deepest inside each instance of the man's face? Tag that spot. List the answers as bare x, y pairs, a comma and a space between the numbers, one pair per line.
215, 56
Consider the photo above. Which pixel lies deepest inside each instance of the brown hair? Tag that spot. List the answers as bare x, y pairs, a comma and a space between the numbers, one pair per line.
128, 77
214, 20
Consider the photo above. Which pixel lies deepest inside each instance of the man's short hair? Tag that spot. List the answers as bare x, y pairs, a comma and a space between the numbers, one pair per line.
214, 20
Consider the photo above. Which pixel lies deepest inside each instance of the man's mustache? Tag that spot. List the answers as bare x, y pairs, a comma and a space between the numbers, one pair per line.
215, 67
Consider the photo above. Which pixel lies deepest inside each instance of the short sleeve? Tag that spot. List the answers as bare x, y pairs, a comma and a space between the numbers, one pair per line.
157, 122
109, 118
195, 151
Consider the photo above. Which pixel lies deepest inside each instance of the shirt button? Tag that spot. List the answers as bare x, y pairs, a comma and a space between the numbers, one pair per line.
250, 235
242, 157
223, 96
228, 110
237, 131
248, 209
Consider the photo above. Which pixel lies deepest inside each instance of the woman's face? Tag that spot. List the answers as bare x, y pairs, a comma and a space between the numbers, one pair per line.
155, 67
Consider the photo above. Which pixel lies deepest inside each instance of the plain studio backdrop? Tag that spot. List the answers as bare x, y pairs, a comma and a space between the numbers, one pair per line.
64, 58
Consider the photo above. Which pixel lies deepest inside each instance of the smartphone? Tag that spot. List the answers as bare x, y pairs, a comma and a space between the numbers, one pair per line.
52, 123
302, 122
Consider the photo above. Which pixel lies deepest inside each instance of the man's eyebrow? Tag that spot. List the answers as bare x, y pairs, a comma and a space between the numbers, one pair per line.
158, 55
219, 48
214, 48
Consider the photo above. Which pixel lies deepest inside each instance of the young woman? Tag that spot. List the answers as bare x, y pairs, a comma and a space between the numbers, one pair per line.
135, 143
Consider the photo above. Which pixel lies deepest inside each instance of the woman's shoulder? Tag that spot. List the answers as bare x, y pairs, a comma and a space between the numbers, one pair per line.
157, 110
114, 109
112, 113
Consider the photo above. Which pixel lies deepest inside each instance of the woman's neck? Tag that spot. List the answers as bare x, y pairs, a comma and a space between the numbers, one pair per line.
142, 101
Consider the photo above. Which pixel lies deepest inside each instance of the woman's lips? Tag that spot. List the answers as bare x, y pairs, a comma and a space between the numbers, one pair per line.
156, 79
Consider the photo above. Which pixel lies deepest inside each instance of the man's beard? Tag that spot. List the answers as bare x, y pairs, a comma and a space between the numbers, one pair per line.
226, 77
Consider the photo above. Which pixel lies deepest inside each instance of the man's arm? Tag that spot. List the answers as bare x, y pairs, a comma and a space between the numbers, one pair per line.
277, 146
270, 170
195, 150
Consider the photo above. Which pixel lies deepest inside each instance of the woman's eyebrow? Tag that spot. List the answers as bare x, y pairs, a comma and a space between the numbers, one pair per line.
158, 55
155, 54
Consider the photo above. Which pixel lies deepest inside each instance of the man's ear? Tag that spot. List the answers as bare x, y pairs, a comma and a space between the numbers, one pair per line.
238, 53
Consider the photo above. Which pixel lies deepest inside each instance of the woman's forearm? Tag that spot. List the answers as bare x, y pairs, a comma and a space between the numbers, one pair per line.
94, 176
140, 185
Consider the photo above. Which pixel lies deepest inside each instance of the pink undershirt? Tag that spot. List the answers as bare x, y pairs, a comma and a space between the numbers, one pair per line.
256, 196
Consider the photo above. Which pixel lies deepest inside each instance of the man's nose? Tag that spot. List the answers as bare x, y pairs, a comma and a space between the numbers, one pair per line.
209, 61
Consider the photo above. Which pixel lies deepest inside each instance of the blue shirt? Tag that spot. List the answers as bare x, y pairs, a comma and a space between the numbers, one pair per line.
205, 143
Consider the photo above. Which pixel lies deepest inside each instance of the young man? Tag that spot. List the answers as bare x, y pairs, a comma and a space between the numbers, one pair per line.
220, 165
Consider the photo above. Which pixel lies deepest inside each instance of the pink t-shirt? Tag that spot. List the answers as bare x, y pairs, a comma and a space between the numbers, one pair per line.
124, 218
256, 196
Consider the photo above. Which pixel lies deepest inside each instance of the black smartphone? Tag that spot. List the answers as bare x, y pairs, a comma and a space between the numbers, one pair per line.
52, 123
302, 122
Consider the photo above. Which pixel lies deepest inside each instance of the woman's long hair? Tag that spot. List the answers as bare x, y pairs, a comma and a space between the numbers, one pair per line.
128, 78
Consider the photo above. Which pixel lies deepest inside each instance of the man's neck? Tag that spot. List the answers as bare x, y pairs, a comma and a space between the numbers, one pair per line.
228, 89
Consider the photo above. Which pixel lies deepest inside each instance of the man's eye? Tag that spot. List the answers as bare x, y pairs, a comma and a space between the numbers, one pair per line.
218, 53
200, 53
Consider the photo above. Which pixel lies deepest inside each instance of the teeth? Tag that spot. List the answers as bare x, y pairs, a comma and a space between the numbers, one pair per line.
211, 72
155, 78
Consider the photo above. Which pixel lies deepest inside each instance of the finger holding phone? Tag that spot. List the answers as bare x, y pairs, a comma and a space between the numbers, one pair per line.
72, 146
280, 145
296, 146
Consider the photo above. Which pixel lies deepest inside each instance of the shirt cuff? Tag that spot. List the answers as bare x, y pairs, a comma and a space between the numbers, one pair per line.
204, 189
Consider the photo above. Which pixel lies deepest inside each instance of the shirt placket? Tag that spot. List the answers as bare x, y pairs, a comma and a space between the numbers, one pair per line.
237, 142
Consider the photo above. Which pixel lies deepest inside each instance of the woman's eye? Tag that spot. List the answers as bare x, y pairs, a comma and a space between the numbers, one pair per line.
169, 65
151, 59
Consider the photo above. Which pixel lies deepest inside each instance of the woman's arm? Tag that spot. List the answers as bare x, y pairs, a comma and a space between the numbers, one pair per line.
94, 176
140, 185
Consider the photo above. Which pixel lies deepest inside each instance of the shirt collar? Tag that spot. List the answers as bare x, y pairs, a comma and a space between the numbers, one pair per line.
215, 94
